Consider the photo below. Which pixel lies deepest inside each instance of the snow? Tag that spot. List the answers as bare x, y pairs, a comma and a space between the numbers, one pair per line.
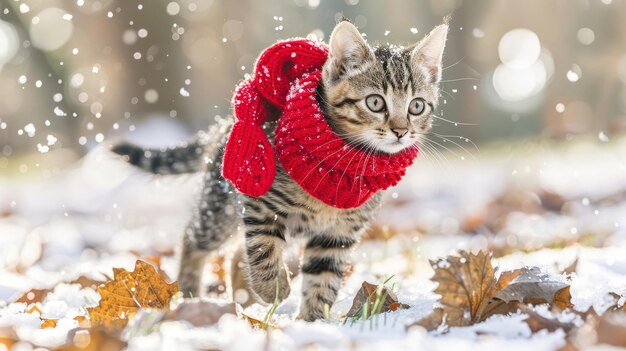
102, 214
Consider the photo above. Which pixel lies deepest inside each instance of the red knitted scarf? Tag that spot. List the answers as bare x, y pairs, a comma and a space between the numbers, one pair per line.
284, 86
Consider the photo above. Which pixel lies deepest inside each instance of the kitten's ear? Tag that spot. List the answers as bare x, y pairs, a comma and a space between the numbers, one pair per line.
429, 51
349, 53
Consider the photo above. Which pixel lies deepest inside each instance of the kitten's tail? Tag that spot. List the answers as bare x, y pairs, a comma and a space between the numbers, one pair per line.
185, 158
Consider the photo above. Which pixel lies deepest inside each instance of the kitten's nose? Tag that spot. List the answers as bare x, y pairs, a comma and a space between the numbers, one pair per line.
399, 132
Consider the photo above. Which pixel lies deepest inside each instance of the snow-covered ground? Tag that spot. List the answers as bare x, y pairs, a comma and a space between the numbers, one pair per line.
532, 203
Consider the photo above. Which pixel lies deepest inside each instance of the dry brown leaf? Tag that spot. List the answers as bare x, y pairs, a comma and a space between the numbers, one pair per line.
611, 329
369, 294
532, 286
563, 299
33, 296
507, 277
537, 322
200, 312
571, 268
94, 339
466, 284
470, 293
431, 321
129, 291
618, 304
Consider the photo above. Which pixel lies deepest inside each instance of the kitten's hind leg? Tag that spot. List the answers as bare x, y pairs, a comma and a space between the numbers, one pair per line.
192, 263
213, 222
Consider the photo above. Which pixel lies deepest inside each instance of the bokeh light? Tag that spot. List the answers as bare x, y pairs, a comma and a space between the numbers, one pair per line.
51, 28
9, 42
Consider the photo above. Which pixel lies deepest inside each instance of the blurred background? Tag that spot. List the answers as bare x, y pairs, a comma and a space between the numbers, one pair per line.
76, 73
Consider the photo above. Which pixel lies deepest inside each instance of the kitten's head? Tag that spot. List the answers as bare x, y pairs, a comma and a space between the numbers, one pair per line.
381, 98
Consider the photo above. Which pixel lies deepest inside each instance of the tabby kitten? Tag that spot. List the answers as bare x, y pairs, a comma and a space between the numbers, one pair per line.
377, 98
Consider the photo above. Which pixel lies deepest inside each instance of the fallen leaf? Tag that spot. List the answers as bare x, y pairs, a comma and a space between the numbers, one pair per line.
379, 299
431, 321
34, 309
33, 296
94, 339
83, 322
48, 323
8, 337
129, 291
571, 268
466, 284
254, 322
611, 329
200, 312
537, 322
619, 304
470, 292
531, 286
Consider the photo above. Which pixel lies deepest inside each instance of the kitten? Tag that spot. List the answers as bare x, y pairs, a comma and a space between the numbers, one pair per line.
379, 99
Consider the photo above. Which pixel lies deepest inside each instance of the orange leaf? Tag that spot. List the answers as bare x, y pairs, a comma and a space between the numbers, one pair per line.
94, 339
48, 323
33, 295
83, 322
34, 309
253, 321
8, 337
129, 291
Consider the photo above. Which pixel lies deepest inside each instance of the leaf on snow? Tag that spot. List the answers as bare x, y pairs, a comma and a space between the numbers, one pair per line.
48, 323
93, 339
537, 322
256, 322
619, 304
611, 329
129, 291
33, 296
8, 337
571, 268
470, 293
200, 312
532, 286
379, 299
466, 284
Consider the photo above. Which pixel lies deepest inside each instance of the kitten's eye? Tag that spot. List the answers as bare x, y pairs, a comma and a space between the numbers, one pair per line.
375, 102
417, 106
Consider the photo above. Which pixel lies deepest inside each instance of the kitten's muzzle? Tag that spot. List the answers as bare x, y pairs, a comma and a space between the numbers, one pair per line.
399, 132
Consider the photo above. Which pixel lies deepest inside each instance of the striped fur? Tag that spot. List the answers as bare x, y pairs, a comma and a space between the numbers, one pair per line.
185, 158
286, 211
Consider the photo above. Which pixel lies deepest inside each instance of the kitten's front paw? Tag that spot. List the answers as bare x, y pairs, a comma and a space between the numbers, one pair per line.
266, 289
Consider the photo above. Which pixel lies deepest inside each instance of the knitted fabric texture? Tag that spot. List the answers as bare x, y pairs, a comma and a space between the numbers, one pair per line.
283, 87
